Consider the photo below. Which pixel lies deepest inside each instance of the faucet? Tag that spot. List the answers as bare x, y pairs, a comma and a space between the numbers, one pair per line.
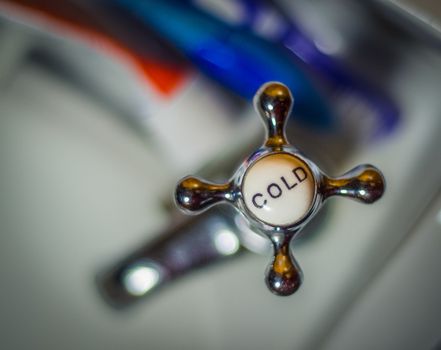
186, 246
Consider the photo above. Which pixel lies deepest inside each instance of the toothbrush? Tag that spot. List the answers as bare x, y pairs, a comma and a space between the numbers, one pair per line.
235, 57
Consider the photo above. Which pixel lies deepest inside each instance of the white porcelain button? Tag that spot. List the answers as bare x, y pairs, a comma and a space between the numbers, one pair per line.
279, 189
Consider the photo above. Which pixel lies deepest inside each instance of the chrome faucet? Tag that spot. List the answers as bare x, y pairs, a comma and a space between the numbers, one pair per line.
186, 246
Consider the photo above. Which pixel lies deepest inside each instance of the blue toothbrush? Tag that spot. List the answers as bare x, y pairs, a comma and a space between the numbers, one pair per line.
234, 57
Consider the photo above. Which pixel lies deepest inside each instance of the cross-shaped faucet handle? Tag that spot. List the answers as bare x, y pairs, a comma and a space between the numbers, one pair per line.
278, 190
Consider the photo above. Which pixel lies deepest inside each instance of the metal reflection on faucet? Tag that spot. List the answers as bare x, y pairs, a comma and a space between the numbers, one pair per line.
226, 242
184, 247
214, 237
141, 277
251, 240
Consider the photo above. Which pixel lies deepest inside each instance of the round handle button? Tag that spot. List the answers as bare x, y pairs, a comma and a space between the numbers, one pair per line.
278, 189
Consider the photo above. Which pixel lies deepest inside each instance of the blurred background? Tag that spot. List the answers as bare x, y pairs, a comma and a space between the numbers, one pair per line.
105, 105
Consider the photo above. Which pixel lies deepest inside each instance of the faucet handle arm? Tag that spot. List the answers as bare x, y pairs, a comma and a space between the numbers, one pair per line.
194, 195
364, 183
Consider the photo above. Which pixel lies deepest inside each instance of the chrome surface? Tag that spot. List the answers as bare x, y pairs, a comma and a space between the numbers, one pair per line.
182, 248
364, 183
274, 102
